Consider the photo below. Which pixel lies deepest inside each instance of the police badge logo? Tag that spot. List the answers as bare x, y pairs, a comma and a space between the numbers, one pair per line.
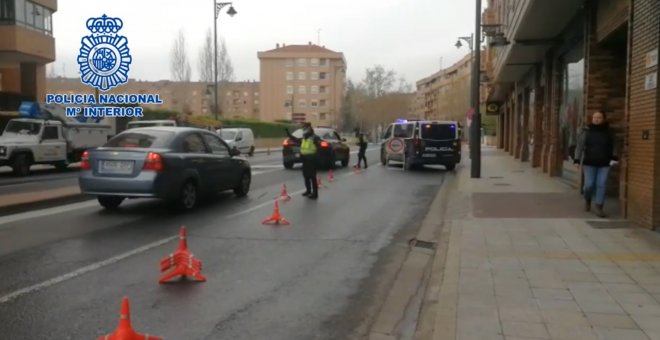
104, 56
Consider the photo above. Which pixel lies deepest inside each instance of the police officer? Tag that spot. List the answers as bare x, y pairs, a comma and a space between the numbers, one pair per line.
362, 153
309, 146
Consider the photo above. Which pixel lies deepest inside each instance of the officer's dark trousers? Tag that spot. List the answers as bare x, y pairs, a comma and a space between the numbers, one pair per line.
309, 173
362, 157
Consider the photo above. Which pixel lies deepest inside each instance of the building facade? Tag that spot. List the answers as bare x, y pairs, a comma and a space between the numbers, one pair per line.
302, 83
237, 99
553, 63
26, 47
446, 93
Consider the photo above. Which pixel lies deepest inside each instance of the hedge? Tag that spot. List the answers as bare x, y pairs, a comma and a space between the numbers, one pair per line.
260, 129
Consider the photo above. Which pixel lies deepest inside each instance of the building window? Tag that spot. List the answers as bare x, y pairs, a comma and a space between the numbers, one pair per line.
256, 94
302, 62
26, 14
256, 102
229, 93
289, 76
323, 75
315, 76
289, 63
324, 89
245, 94
315, 89
322, 102
287, 103
289, 89
301, 76
302, 89
324, 62
302, 103
323, 116
315, 103
314, 62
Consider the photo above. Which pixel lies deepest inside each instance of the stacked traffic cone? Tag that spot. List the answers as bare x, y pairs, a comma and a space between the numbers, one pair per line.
284, 195
125, 331
319, 183
183, 261
331, 176
276, 217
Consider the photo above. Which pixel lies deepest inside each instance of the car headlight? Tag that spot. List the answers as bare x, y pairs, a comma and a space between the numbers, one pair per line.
3, 150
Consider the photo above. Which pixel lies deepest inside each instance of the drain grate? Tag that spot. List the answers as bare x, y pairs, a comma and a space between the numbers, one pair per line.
421, 244
502, 184
610, 224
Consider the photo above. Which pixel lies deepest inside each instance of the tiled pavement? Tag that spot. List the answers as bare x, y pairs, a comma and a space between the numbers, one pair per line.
524, 262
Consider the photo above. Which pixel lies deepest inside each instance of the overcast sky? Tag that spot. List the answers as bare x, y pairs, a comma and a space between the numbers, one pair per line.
408, 36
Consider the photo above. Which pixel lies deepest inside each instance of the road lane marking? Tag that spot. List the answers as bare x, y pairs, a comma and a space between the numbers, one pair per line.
98, 265
83, 270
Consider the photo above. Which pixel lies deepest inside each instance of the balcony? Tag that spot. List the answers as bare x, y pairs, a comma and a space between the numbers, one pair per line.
532, 27
20, 44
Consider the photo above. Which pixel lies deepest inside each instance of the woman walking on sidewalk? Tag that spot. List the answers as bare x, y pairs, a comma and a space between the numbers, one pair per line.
595, 153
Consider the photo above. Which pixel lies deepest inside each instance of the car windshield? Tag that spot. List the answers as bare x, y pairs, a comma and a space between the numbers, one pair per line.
23, 128
404, 130
148, 124
438, 131
142, 139
228, 134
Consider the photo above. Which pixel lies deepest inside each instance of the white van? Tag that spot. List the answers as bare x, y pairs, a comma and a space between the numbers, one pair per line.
240, 138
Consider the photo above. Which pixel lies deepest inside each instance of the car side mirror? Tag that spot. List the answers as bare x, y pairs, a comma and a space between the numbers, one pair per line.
234, 152
239, 139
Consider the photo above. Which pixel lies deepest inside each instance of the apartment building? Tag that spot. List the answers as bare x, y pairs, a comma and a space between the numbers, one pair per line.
302, 83
26, 47
237, 99
553, 63
446, 93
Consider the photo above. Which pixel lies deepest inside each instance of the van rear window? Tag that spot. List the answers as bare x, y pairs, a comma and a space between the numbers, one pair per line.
439, 131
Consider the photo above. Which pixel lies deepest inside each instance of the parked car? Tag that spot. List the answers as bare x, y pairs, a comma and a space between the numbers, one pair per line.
149, 123
177, 164
240, 138
333, 149
419, 143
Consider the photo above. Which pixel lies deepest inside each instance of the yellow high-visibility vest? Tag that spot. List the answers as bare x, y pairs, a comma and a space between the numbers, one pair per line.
308, 147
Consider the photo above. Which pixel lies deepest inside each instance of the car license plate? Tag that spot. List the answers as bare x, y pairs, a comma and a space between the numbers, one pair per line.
297, 155
117, 167
428, 155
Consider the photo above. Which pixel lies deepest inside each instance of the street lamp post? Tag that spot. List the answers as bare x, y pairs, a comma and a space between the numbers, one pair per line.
217, 7
475, 98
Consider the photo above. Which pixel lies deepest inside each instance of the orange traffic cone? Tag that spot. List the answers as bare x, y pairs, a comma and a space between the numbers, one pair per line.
331, 176
276, 217
183, 261
124, 330
319, 183
284, 196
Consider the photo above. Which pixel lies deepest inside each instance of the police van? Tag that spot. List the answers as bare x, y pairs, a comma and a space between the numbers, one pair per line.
416, 143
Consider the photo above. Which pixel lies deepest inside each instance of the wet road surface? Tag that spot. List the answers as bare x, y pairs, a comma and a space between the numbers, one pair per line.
65, 270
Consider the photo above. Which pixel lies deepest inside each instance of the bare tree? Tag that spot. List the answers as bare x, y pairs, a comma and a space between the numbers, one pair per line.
206, 59
378, 81
51, 71
225, 66
179, 64
404, 86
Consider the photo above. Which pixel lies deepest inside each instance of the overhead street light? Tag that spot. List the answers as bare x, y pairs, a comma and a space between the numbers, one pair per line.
217, 7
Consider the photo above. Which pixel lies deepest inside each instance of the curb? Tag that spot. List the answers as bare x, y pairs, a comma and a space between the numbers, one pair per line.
409, 296
42, 204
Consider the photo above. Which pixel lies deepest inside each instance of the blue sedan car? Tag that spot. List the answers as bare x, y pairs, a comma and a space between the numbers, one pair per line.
177, 164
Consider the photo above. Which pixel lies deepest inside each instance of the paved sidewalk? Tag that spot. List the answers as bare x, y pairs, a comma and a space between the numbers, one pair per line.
33, 197
524, 261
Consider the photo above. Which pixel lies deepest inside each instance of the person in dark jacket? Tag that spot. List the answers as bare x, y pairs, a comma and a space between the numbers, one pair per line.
309, 147
362, 153
595, 153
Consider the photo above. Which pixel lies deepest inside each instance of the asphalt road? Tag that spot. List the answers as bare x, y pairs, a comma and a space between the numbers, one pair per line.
65, 269
48, 178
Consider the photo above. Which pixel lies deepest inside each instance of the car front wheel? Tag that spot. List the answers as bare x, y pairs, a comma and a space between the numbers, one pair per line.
288, 165
244, 185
